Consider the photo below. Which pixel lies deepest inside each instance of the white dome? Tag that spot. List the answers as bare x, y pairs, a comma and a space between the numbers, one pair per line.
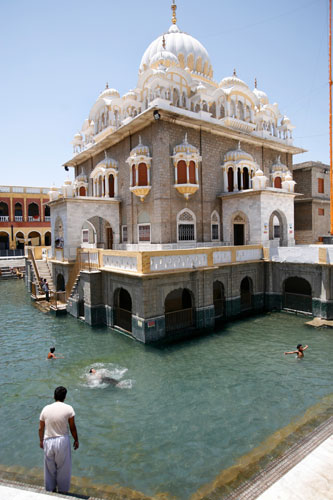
261, 96
182, 46
164, 57
231, 81
109, 93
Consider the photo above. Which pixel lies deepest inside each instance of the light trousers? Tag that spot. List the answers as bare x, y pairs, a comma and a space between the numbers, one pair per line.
57, 464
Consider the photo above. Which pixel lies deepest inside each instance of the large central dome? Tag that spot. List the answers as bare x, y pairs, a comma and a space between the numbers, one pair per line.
189, 52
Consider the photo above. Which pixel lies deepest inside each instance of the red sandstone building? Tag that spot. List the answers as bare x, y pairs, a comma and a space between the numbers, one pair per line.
24, 217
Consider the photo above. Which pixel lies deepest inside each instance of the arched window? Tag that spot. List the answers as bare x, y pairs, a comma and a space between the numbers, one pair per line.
33, 212
232, 109
218, 299
18, 213
215, 226
240, 110
278, 182
186, 230
111, 186
142, 174
179, 310
192, 179
181, 172
222, 111
3, 211
47, 213
246, 183
297, 294
230, 179
246, 293
133, 176
122, 309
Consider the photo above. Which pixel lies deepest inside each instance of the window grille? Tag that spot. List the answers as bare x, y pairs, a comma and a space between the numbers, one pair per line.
215, 232
186, 232
85, 235
124, 235
144, 232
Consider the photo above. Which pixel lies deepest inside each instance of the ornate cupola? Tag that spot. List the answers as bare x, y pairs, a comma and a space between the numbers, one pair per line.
105, 178
140, 163
238, 170
279, 172
81, 185
186, 160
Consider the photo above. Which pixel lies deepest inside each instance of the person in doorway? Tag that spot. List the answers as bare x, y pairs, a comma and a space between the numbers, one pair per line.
299, 352
54, 439
51, 354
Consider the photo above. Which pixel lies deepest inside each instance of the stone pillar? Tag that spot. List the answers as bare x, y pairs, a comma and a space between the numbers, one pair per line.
225, 180
235, 179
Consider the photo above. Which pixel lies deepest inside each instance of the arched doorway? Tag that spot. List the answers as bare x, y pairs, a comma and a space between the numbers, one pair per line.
218, 300
278, 229
297, 294
19, 240
278, 182
122, 309
238, 227
47, 239
179, 310
230, 180
246, 294
60, 283
4, 241
34, 239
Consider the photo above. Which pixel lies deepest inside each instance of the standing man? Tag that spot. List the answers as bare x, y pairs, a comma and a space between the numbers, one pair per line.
54, 439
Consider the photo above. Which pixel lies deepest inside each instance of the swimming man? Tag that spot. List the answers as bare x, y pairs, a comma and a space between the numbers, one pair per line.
299, 352
104, 380
51, 354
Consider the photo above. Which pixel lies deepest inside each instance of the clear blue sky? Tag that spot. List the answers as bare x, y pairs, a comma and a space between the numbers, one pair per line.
57, 56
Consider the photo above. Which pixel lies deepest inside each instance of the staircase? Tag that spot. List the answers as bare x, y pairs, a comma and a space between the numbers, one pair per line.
45, 272
7, 273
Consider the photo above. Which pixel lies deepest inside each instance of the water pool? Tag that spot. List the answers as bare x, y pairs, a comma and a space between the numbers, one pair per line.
182, 414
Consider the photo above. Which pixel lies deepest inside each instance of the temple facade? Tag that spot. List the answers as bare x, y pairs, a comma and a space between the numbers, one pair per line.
181, 186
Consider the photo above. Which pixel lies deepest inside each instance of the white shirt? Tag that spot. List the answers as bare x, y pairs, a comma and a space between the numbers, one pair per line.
56, 418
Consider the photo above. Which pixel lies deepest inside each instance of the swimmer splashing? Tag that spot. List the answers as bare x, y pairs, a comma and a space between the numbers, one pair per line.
299, 352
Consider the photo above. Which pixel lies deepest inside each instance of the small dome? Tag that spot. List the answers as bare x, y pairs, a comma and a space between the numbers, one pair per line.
261, 96
77, 139
185, 147
232, 81
278, 166
259, 173
288, 176
109, 92
67, 182
130, 95
183, 47
237, 155
163, 57
201, 88
140, 149
81, 177
285, 120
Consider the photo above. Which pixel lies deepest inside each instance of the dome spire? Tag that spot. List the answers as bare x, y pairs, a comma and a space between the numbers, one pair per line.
174, 8
163, 43
255, 83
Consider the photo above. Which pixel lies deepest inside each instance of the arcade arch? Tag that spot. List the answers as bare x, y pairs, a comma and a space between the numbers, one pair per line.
179, 310
246, 294
122, 309
35, 238
218, 300
4, 240
297, 294
60, 283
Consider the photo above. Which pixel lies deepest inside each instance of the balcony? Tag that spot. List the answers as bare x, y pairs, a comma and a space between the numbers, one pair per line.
4, 218
18, 218
47, 218
33, 218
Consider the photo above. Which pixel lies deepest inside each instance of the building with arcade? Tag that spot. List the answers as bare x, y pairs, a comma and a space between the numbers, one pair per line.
183, 193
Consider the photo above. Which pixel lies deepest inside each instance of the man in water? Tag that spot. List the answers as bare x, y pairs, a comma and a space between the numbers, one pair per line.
51, 354
299, 352
54, 439
104, 380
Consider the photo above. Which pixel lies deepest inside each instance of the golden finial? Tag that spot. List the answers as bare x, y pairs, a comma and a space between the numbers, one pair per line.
234, 72
255, 83
107, 85
174, 8
163, 43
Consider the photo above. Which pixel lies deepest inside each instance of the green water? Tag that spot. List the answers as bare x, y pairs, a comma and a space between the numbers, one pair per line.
182, 413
